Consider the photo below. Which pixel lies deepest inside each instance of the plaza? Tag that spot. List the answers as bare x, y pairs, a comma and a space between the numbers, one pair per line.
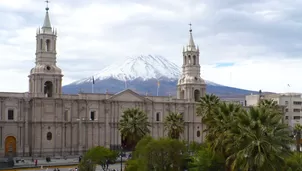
116, 166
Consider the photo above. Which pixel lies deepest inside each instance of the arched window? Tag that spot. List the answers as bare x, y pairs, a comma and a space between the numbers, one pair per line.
189, 58
197, 95
157, 116
194, 60
49, 136
66, 116
198, 133
182, 94
92, 115
47, 48
48, 88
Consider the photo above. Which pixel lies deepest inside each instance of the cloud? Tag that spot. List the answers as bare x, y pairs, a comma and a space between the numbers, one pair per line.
265, 75
259, 37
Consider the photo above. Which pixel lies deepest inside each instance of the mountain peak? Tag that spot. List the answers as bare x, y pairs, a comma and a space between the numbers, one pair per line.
144, 67
141, 67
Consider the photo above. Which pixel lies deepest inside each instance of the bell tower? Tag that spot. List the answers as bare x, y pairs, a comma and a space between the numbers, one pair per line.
190, 85
45, 79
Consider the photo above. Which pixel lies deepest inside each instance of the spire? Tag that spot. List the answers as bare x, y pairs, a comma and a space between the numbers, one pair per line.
46, 25
191, 46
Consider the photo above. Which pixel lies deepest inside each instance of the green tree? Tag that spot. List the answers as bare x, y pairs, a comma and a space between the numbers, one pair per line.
205, 160
248, 139
221, 126
194, 147
297, 131
207, 106
133, 126
270, 104
174, 124
97, 156
261, 143
294, 162
140, 146
162, 154
133, 165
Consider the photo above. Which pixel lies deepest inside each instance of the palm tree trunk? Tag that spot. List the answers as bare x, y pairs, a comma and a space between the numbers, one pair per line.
298, 137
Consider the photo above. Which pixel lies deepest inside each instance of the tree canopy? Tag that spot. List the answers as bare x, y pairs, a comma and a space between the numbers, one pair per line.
97, 156
174, 124
249, 139
163, 154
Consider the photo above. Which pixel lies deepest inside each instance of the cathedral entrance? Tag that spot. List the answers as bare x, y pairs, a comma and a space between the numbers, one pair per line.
48, 89
10, 146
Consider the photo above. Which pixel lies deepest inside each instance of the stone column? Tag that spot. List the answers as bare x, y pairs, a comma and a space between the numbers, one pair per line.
26, 146
108, 109
80, 135
20, 141
42, 126
63, 129
55, 131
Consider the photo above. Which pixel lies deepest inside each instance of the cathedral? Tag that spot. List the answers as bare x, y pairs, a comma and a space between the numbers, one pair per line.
45, 122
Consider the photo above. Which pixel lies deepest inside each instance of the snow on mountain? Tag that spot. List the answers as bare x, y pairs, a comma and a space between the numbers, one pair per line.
212, 83
141, 67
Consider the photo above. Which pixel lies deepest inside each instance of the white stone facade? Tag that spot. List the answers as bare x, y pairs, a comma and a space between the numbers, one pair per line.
46, 122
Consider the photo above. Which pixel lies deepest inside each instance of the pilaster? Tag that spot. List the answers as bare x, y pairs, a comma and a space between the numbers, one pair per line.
26, 130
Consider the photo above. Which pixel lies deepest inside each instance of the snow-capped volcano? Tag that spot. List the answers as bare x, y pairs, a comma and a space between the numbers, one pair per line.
141, 67
142, 74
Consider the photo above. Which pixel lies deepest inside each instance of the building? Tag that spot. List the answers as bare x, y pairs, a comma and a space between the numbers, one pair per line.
292, 103
45, 122
236, 99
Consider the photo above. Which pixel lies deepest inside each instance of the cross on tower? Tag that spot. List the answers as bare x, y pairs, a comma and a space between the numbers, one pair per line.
190, 27
47, 2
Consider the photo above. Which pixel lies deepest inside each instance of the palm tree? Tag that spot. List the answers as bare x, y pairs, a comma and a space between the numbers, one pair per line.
207, 106
297, 131
133, 126
294, 162
262, 141
270, 104
222, 123
174, 124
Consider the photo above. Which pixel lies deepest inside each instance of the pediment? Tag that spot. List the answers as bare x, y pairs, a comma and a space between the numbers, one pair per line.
128, 96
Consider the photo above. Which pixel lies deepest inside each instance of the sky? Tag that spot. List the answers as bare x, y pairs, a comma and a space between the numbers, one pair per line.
246, 44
